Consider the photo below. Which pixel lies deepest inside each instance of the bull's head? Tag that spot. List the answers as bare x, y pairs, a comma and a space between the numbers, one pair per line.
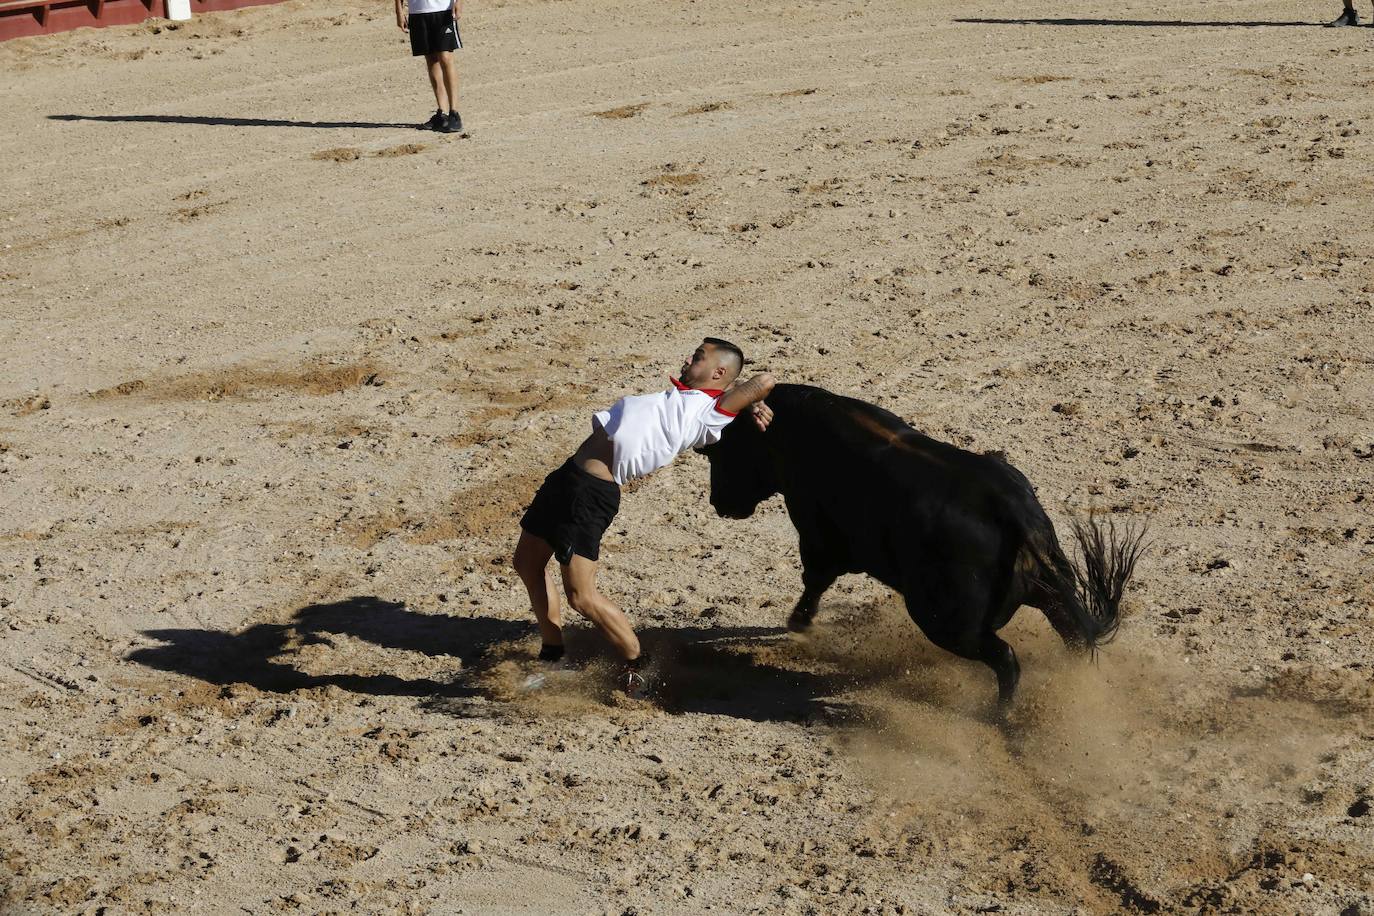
742, 473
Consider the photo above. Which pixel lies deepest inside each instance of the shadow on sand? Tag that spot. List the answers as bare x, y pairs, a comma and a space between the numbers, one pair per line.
716, 670
207, 121
1147, 23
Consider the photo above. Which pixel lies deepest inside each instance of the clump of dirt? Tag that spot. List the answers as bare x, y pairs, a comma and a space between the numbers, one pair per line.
237, 383
22, 407
619, 114
189, 214
673, 180
338, 154
123, 389
709, 107
405, 149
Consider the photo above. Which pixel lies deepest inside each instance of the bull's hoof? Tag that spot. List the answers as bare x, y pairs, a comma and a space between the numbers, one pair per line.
1006, 720
798, 624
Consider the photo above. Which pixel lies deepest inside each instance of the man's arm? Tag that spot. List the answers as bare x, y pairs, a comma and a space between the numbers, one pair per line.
457, 9
402, 16
750, 394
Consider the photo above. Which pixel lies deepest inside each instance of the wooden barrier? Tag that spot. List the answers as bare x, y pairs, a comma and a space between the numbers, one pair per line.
19, 18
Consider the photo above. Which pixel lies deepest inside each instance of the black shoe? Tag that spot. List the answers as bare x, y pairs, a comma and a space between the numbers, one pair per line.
436, 121
1347, 17
636, 684
638, 680
453, 124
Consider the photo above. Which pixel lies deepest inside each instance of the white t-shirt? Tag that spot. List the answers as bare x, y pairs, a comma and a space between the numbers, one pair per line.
650, 430
429, 6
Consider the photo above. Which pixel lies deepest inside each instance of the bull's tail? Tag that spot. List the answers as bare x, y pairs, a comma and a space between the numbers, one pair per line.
1083, 599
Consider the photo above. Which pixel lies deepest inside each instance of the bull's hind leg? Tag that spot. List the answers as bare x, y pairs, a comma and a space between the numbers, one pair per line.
958, 615
998, 655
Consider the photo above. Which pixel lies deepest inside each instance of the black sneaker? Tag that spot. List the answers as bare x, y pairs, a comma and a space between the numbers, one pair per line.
637, 684
436, 121
1348, 17
452, 124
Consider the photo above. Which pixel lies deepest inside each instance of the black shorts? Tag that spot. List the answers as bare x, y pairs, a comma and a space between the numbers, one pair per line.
572, 510
433, 32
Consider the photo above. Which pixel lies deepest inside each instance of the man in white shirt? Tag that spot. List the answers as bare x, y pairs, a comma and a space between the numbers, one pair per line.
576, 503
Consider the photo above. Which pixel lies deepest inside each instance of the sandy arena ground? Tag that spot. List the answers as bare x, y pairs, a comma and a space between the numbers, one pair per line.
280, 372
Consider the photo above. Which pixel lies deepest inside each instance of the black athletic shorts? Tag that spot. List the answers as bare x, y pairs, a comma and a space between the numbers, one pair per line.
572, 510
433, 32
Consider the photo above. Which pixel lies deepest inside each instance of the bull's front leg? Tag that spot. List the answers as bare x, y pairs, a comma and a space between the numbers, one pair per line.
814, 583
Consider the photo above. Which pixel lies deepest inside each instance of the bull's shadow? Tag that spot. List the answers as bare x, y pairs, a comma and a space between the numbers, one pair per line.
710, 670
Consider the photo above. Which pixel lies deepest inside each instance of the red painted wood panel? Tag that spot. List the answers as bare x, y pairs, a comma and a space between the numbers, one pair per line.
19, 18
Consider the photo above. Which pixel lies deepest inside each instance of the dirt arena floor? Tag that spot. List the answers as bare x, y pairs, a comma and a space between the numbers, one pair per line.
280, 373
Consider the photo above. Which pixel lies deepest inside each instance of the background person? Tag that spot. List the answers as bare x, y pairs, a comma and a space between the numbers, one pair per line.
433, 28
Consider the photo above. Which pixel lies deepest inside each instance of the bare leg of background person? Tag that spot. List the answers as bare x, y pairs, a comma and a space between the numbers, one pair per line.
450, 76
436, 81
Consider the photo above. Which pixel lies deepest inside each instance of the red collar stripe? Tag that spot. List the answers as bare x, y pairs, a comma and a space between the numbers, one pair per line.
713, 392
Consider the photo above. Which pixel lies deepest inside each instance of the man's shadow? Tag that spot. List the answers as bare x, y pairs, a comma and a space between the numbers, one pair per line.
260, 655
712, 670
205, 120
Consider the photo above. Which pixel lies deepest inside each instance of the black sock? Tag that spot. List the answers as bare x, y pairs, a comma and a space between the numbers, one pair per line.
548, 653
636, 664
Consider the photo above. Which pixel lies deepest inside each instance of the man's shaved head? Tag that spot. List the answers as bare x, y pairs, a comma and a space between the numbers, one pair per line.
714, 364
731, 356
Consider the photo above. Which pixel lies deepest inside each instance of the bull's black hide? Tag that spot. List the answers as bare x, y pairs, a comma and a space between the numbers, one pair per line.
960, 535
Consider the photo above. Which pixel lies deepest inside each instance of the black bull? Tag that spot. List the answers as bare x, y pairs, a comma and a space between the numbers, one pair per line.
960, 535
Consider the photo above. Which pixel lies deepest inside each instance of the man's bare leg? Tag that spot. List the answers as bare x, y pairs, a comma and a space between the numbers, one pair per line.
450, 75
532, 555
579, 583
436, 80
